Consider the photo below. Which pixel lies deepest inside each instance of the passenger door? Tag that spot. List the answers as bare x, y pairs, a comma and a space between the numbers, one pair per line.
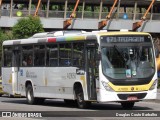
91, 67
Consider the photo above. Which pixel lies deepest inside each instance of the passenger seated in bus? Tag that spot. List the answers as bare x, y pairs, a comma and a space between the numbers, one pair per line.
29, 60
24, 63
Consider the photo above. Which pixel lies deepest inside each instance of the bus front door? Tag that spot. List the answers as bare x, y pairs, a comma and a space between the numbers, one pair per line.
91, 72
15, 70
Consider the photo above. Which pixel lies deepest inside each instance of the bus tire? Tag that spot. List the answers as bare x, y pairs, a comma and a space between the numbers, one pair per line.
29, 95
82, 104
127, 105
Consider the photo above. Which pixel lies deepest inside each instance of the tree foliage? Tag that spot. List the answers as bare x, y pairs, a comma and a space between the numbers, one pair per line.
4, 35
26, 27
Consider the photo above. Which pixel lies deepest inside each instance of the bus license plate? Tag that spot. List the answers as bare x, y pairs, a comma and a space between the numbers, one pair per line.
130, 98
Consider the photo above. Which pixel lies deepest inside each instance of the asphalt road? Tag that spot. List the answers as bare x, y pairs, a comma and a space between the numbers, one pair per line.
57, 109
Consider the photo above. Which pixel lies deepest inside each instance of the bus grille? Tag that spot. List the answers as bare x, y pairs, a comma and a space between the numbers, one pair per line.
138, 95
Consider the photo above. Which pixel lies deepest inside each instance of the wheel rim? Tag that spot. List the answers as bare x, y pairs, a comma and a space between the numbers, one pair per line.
80, 99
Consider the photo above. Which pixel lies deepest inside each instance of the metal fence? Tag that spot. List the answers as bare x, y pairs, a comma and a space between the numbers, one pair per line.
79, 14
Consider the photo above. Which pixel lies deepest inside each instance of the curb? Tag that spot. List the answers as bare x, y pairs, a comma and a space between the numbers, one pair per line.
153, 101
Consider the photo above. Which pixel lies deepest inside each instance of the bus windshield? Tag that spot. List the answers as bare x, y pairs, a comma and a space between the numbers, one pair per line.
121, 62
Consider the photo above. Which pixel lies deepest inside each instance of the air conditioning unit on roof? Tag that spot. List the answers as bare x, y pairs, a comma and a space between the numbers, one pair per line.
40, 35
58, 33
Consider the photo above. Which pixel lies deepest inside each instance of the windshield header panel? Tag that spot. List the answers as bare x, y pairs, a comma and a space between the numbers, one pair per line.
126, 39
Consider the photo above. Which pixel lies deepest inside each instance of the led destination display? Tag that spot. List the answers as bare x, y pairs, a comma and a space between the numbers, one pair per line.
125, 39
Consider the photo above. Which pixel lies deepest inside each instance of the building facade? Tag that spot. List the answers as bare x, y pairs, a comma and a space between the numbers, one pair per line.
88, 14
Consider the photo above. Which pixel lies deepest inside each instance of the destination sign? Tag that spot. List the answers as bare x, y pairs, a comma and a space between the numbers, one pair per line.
125, 39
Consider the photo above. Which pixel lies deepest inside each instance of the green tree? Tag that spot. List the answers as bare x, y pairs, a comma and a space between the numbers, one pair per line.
26, 27
4, 35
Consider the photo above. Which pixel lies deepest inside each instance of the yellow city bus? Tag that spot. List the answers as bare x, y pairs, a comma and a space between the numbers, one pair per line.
81, 66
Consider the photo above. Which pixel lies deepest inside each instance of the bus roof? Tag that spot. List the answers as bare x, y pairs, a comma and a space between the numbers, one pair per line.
60, 37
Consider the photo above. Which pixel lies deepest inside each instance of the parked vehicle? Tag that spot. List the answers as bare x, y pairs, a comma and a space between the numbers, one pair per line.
1, 91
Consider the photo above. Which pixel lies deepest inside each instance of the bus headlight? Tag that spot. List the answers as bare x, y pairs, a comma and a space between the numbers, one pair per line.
154, 85
106, 86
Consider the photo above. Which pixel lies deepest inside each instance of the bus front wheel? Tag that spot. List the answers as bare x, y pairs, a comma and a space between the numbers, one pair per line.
127, 105
80, 99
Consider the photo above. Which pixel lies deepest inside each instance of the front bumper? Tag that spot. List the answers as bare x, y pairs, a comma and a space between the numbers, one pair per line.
107, 96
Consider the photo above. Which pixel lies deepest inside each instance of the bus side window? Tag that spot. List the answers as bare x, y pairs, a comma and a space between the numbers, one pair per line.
52, 55
65, 54
39, 55
27, 56
24, 61
7, 56
78, 56
29, 60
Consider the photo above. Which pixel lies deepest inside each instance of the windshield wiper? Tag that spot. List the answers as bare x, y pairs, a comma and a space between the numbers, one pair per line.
121, 53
